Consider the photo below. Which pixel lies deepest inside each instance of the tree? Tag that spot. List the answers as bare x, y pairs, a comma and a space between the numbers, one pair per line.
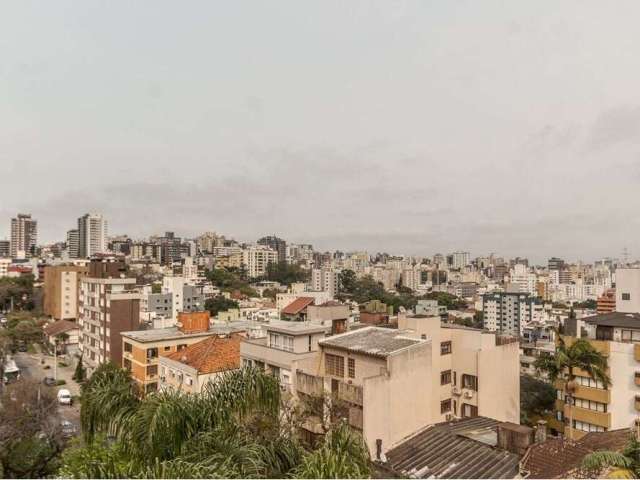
579, 355
219, 304
537, 398
80, 373
270, 293
286, 273
625, 464
233, 429
16, 293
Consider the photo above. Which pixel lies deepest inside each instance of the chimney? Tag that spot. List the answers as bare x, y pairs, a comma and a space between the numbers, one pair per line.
514, 438
378, 448
541, 431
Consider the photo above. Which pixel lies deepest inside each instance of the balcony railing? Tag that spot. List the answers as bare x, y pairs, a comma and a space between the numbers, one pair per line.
350, 393
309, 384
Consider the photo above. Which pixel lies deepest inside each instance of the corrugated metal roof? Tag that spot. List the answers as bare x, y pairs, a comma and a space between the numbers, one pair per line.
446, 450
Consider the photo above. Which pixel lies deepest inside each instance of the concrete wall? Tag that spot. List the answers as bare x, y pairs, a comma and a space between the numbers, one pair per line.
499, 383
397, 405
628, 282
622, 367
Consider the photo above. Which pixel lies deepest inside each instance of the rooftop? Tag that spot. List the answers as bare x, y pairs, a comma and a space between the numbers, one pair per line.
298, 305
615, 319
214, 354
300, 328
376, 341
61, 326
464, 448
172, 333
559, 458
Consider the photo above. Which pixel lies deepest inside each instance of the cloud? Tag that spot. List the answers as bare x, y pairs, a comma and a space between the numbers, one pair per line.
614, 127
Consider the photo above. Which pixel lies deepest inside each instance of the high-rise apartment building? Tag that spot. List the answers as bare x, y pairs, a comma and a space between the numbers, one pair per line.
5, 248
24, 236
459, 260
61, 286
92, 235
277, 244
73, 243
324, 280
509, 312
108, 304
256, 259
171, 248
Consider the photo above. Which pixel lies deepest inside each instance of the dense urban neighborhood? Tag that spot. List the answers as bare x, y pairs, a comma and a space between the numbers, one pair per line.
209, 357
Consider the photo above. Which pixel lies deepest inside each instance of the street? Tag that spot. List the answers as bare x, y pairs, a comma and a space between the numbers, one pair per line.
31, 368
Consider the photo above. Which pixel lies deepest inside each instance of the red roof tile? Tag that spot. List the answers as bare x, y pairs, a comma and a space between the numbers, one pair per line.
214, 354
297, 305
61, 326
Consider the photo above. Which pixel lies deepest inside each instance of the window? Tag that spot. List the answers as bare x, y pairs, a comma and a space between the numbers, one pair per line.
127, 347
445, 348
152, 352
445, 377
626, 296
445, 406
167, 348
590, 382
587, 427
469, 410
470, 382
560, 416
351, 364
631, 335
590, 405
334, 365
182, 346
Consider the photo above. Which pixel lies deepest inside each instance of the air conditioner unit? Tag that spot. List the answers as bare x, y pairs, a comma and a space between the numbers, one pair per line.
468, 394
456, 391
450, 417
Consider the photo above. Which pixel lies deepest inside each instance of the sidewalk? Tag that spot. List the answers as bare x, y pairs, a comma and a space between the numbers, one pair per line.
63, 373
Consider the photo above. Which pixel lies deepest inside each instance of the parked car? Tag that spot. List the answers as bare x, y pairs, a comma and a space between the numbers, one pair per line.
64, 397
49, 381
22, 347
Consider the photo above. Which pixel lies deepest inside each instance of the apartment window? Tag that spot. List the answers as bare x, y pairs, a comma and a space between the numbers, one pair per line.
445, 348
152, 352
152, 370
167, 348
351, 370
181, 346
626, 296
587, 427
590, 382
470, 382
469, 410
590, 405
334, 365
445, 406
560, 416
631, 335
445, 377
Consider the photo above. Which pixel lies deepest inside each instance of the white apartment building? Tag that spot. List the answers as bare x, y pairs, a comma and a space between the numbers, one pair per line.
509, 312
256, 259
628, 290
524, 279
92, 235
460, 260
411, 277
324, 280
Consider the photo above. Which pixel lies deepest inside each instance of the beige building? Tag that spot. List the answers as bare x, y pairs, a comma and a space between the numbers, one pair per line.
596, 408
61, 286
256, 259
193, 367
395, 382
283, 344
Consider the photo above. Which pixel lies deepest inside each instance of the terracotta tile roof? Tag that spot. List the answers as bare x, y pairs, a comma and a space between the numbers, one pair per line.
297, 305
211, 355
555, 458
58, 327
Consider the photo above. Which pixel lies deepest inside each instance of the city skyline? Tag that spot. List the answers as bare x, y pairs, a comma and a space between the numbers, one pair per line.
411, 136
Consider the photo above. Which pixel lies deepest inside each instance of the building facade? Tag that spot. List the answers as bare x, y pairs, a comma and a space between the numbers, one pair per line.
628, 290
92, 235
509, 312
24, 236
256, 259
61, 288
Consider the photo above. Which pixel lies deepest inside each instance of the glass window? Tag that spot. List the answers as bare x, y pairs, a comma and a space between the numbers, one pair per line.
334, 365
445, 348
445, 406
445, 377
351, 364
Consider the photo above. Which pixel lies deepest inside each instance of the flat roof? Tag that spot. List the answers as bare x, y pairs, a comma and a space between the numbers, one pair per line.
172, 333
376, 341
615, 319
294, 328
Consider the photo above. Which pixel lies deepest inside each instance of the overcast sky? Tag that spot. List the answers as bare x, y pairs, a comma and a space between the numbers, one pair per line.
408, 127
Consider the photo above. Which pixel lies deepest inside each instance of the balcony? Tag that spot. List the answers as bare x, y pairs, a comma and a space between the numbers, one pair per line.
637, 403
257, 349
309, 384
588, 393
589, 416
350, 393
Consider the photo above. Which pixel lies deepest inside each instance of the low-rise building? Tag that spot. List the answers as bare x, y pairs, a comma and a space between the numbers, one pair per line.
193, 367
61, 287
283, 344
64, 334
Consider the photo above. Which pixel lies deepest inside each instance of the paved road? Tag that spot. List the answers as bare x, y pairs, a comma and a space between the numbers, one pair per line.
31, 368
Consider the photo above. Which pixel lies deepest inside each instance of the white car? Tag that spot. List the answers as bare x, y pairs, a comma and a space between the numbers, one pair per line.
64, 397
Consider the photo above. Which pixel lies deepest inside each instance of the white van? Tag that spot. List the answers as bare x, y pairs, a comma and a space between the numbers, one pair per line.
64, 397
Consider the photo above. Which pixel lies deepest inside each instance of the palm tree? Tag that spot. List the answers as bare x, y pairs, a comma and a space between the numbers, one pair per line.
625, 464
233, 429
580, 355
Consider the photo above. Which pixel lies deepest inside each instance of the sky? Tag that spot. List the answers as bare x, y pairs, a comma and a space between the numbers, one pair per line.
407, 127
